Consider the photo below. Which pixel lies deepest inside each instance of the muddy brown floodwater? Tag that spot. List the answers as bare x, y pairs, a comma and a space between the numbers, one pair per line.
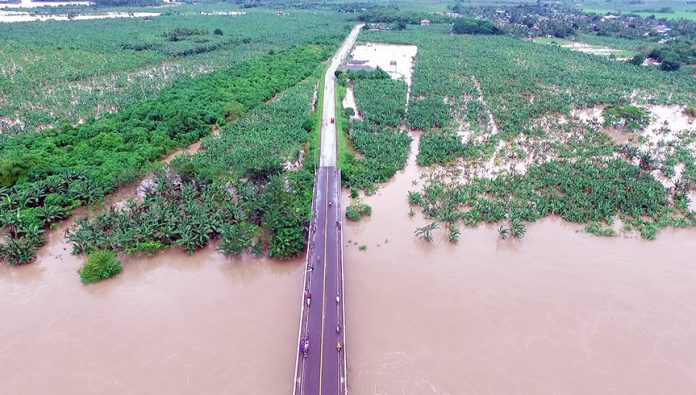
559, 311
168, 324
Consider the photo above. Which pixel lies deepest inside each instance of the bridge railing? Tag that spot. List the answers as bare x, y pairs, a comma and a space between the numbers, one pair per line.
342, 368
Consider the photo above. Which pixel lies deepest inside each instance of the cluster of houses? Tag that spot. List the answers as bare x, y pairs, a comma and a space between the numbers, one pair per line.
541, 19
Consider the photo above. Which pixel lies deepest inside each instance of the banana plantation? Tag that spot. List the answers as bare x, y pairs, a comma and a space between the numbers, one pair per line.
377, 138
236, 190
55, 73
45, 176
505, 141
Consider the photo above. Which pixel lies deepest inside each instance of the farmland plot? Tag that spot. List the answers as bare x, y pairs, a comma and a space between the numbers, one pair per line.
497, 119
46, 176
59, 72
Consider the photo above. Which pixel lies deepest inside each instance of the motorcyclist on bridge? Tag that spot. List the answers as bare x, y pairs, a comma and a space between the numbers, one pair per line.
304, 346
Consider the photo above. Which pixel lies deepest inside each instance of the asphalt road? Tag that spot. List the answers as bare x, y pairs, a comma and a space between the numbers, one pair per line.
328, 129
321, 370
321, 353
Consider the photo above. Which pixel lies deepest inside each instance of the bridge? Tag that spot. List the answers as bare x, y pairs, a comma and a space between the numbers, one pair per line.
320, 367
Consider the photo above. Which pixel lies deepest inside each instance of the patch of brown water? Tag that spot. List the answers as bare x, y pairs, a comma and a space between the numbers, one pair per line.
191, 149
559, 311
171, 323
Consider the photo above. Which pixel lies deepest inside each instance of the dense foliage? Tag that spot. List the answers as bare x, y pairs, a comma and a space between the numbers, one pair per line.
379, 98
498, 114
474, 26
521, 82
238, 189
378, 137
384, 151
100, 265
79, 165
579, 192
440, 147
357, 210
59, 72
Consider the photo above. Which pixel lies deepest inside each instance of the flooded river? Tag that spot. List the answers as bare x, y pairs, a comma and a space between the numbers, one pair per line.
168, 324
559, 311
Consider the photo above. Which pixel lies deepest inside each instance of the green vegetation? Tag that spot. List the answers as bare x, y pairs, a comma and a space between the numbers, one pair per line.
67, 72
596, 228
442, 84
100, 265
440, 147
425, 233
356, 210
380, 98
579, 192
79, 165
378, 138
241, 189
385, 151
474, 26
500, 122
629, 116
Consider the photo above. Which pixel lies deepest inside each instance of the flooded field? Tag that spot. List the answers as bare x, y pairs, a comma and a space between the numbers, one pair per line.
669, 127
395, 59
559, 311
171, 323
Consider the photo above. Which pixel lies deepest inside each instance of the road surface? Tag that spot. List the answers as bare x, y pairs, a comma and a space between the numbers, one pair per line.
328, 129
320, 367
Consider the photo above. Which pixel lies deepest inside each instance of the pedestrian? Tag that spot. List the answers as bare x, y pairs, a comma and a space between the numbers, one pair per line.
339, 347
